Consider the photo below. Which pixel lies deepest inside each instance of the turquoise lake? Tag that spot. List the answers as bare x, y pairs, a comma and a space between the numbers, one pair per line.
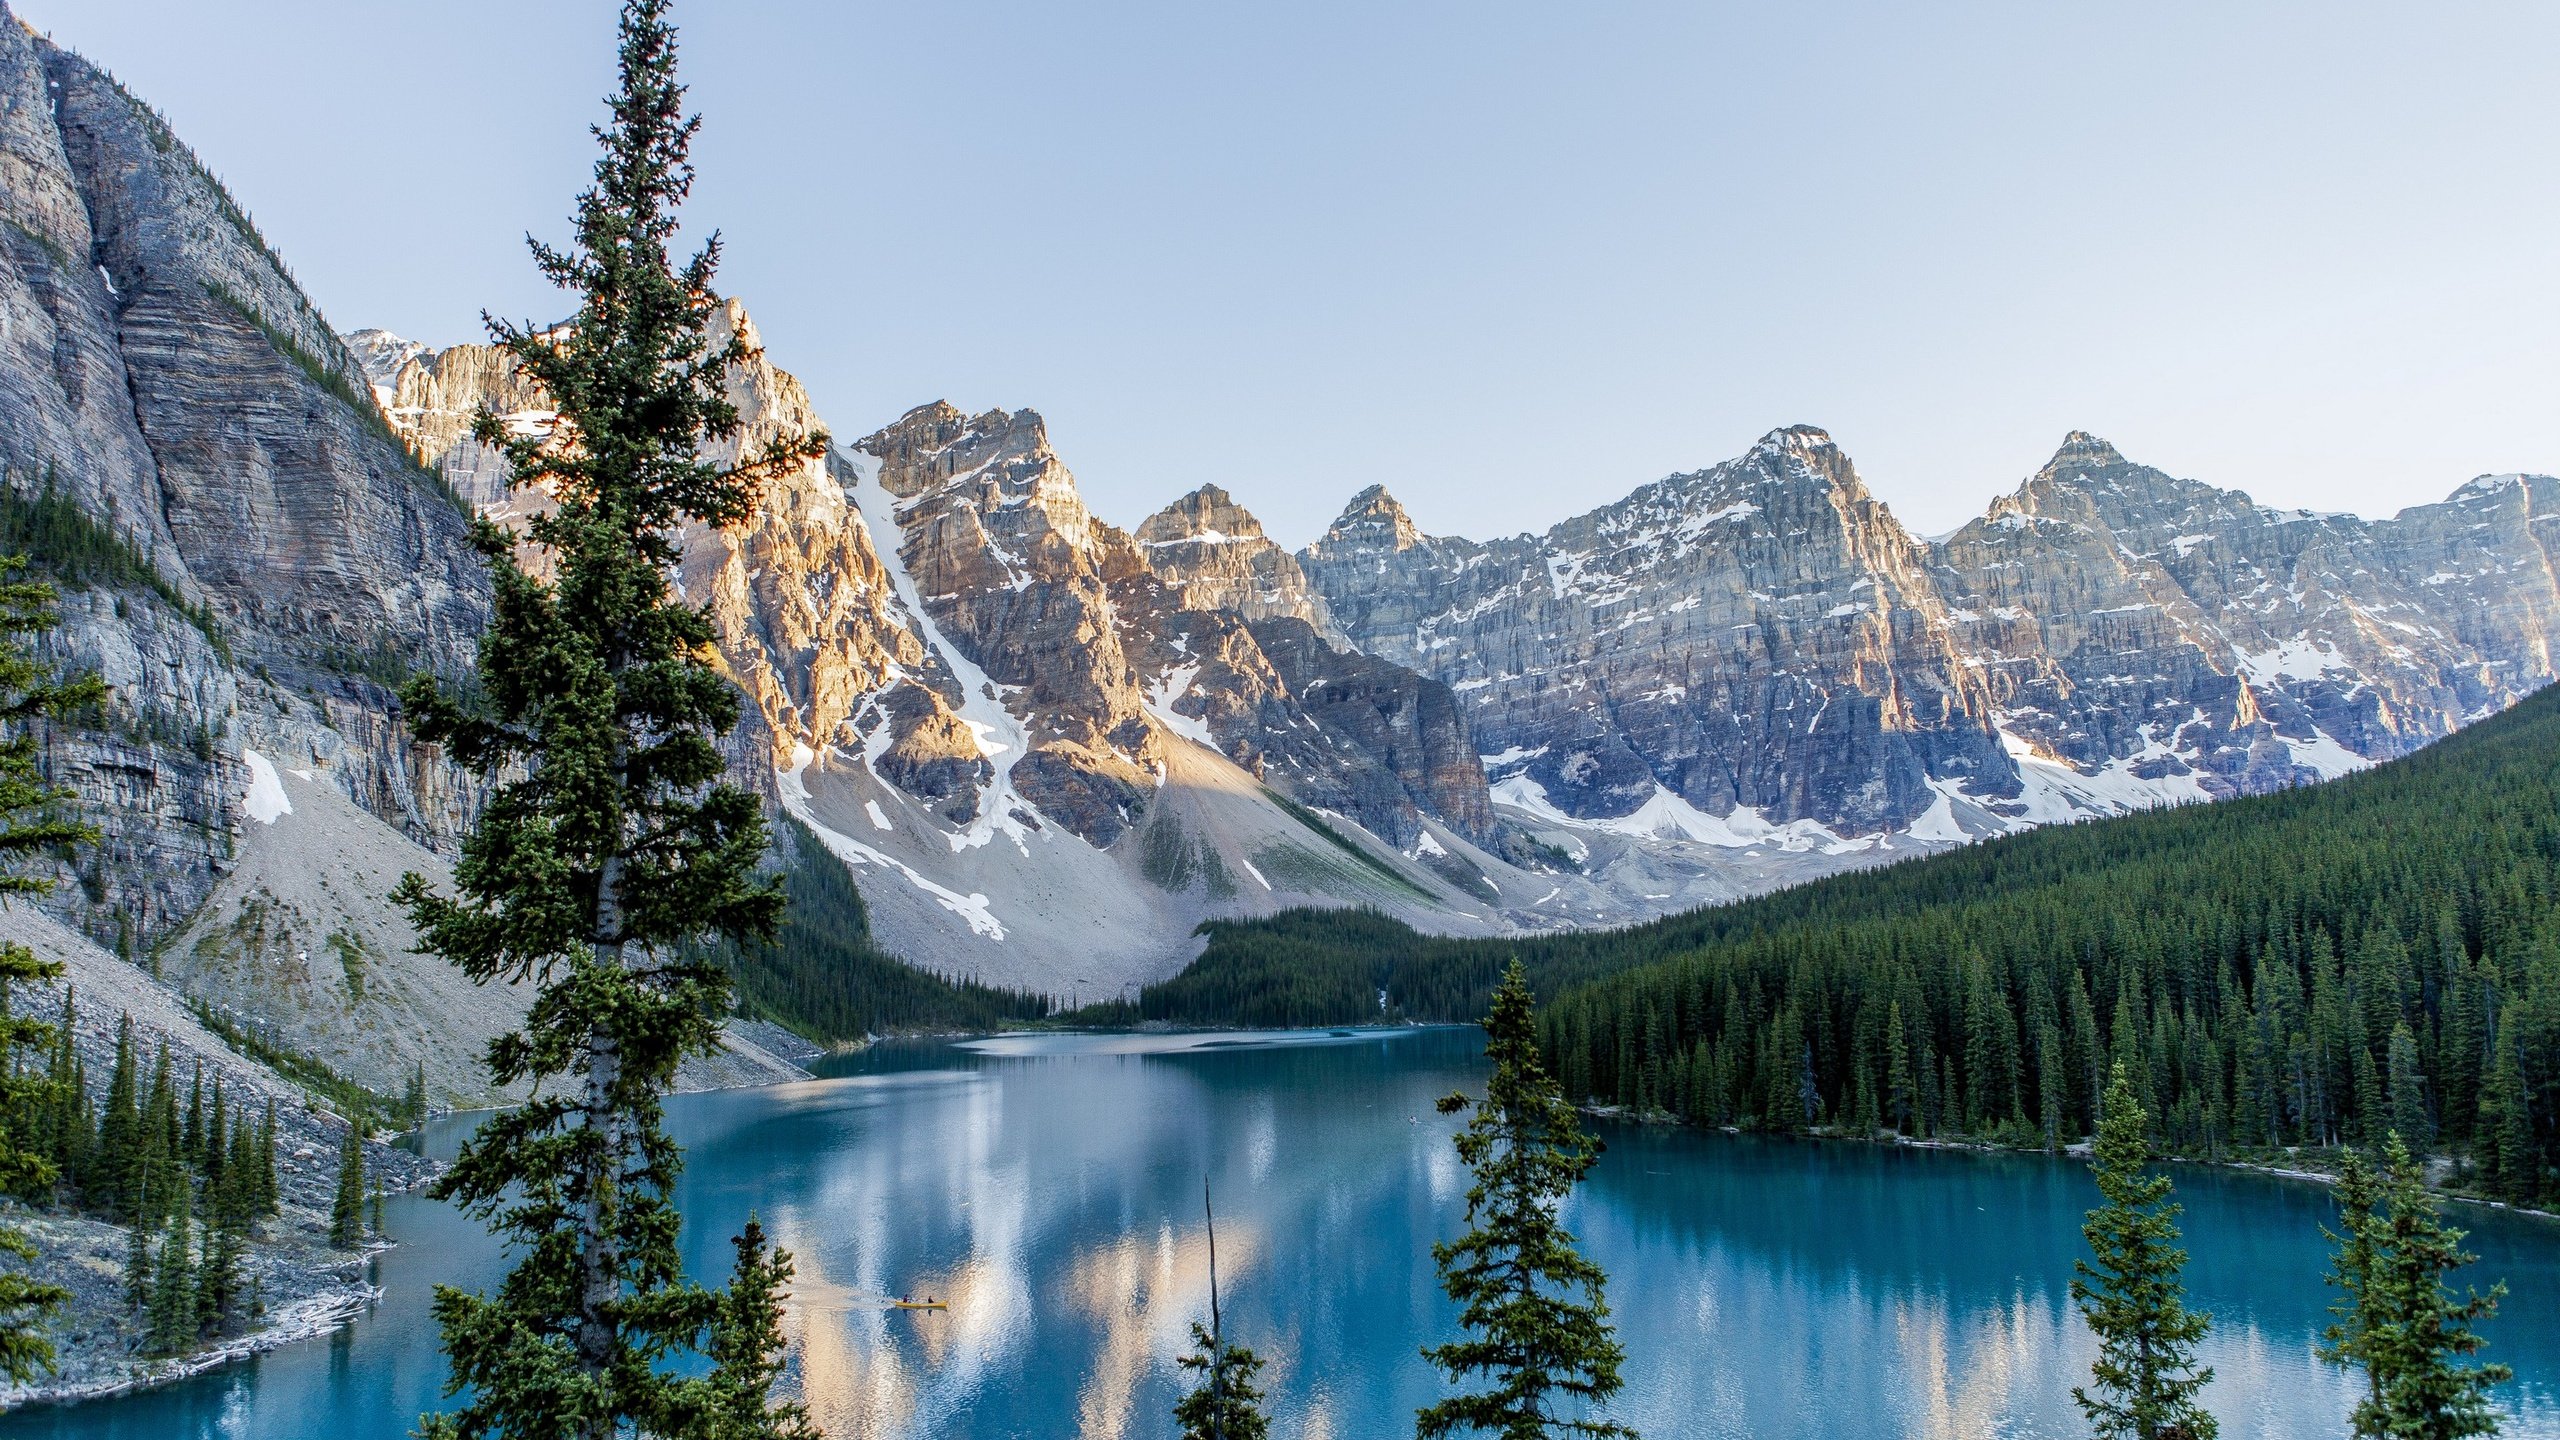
1050, 1187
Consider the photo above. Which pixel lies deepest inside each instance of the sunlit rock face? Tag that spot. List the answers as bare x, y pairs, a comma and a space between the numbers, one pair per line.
1764, 638
1214, 553
1016, 718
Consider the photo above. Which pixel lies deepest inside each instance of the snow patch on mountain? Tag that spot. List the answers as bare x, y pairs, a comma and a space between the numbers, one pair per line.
266, 801
1169, 687
971, 908
999, 735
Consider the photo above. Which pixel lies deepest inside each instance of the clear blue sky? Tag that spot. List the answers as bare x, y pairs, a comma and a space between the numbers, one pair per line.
1507, 259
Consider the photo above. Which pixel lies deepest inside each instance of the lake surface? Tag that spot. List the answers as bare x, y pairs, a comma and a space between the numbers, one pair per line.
1050, 1187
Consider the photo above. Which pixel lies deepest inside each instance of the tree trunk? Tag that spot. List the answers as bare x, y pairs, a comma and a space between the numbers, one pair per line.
599, 1257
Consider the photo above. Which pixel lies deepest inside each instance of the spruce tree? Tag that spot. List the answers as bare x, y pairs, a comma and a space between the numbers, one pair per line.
1899, 1108
137, 1267
2353, 1339
2129, 1291
2424, 1332
173, 1325
746, 1347
218, 1278
1542, 1353
609, 846
120, 1132
1223, 1404
33, 819
346, 1204
2408, 1090
67, 1129
2509, 1161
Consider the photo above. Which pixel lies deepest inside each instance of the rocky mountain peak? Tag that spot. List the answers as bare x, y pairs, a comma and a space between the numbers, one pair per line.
2083, 451
1797, 440
382, 354
1797, 453
935, 444
1208, 515
1216, 556
1374, 518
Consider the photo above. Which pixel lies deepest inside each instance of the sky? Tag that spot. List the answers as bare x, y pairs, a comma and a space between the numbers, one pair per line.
1509, 260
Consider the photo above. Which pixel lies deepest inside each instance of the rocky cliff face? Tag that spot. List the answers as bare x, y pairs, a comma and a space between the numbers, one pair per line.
161, 372
1760, 648
1759, 643
1213, 553
1051, 746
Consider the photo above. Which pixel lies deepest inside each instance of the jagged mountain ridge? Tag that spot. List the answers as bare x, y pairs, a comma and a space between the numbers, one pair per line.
1759, 653
984, 695
1050, 745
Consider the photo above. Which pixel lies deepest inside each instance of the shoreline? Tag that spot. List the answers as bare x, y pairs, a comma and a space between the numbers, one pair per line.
1620, 1115
313, 1317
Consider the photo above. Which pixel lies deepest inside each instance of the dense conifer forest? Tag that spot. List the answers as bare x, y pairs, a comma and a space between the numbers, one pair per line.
823, 978
2315, 967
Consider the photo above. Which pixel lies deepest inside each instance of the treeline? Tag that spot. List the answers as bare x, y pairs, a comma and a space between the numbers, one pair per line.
825, 980
198, 1171
2313, 967
66, 544
2318, 967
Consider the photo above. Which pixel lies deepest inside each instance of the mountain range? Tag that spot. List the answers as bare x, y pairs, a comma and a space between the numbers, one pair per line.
1048, 747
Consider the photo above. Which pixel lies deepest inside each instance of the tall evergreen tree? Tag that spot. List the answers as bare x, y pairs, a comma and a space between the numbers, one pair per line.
609, 848
746, 1348
2408, 1090
33, 818
2353, 1339
2423, 1333
1899, 1104
120, 1130
2510, 1161
137, 1268
1542, 1353
2130, 1294
172, 1325
346, 1203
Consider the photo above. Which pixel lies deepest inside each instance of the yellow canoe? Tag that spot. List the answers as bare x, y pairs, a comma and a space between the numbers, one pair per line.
919, 1304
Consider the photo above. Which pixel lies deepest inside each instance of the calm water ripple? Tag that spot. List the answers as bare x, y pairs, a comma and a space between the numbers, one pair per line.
1049, 1186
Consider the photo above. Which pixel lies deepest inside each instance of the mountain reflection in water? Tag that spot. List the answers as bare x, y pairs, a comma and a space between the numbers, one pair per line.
1048, 1186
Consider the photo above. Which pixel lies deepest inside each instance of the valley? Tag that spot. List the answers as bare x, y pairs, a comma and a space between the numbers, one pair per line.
490, 740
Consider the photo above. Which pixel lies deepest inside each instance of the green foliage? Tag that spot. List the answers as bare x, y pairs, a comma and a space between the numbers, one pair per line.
72, 547
746, 1348
1305, 967
1539, 1351
2251, 962
1223, 1404
171, 1327
33, 820
2129, 1291
1359, 854
823, 978
346, 1204
325, 1085
2397, 1322
610, 858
